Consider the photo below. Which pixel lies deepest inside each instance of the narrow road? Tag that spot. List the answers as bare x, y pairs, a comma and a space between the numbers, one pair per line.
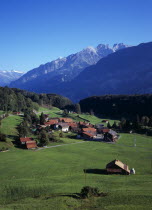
47, 147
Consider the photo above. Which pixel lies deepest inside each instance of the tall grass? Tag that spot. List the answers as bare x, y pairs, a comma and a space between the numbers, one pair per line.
13, 192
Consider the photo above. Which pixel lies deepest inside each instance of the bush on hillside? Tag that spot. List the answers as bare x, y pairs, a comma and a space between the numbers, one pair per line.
2, 137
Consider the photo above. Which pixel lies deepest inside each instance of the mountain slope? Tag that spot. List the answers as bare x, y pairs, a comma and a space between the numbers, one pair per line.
8, 76
127, 71
47, 77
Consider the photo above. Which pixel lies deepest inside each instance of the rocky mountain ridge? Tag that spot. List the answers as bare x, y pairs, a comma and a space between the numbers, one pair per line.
64, 69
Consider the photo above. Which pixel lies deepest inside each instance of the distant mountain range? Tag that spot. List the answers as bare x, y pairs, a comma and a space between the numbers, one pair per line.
127, 71
49, 77
94, 71
8, 76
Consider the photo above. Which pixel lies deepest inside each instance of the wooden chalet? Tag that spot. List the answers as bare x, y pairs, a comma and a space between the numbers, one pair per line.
88, 136
116, 166
88, 133
63, 126
24, 140
73, 126
31, 145
112, 136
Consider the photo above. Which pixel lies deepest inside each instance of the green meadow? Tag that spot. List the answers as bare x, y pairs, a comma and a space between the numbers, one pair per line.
49, 178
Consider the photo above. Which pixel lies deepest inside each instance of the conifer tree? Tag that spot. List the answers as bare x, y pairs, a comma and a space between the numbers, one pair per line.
42, 119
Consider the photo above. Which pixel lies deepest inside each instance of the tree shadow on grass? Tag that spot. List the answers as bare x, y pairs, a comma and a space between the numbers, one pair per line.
71, 195
74, 195
95, 171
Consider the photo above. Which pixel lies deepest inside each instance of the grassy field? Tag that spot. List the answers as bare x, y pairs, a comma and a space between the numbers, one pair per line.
48, 178
53, 112
8, 127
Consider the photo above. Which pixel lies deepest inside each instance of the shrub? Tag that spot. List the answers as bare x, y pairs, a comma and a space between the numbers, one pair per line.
88, 191
2, 137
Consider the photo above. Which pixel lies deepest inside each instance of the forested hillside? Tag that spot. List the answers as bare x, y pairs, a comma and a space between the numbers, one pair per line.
119, 105
12, 99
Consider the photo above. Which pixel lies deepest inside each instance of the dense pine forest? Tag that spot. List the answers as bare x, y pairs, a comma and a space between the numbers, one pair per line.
12, 99
118, 106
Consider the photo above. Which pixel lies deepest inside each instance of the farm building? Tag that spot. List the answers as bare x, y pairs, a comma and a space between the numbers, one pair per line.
88, 136
73, 126
116, 166
31, 145
112, 135
63, 126
24, 140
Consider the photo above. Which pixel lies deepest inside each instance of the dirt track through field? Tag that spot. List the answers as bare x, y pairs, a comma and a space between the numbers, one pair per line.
48, 147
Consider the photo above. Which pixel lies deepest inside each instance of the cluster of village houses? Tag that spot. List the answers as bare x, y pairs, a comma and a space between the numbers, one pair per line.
84, 130
87, 131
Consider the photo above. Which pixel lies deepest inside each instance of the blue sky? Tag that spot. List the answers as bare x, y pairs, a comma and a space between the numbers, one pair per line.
33, 32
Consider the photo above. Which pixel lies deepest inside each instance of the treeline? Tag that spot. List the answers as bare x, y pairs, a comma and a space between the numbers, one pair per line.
139, 125
12, 99
118, 106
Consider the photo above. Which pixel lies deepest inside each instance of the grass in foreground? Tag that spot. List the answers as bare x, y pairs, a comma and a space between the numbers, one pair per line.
48, 178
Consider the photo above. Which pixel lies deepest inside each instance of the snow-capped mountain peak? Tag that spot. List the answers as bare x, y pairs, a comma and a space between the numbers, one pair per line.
62, 69
8, 76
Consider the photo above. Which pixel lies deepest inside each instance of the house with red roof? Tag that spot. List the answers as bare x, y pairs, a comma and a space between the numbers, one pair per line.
24, 140
31, 145
28, 142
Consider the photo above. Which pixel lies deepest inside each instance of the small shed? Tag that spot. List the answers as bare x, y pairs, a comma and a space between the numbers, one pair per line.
31, 145
116, 166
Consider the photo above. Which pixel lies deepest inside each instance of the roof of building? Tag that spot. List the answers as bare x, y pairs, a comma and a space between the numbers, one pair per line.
120, 164
72, 124
89, 130
105, 129
31, 144
66, 119
112, 132
51, 122
63, 124
26, 139
88, 134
